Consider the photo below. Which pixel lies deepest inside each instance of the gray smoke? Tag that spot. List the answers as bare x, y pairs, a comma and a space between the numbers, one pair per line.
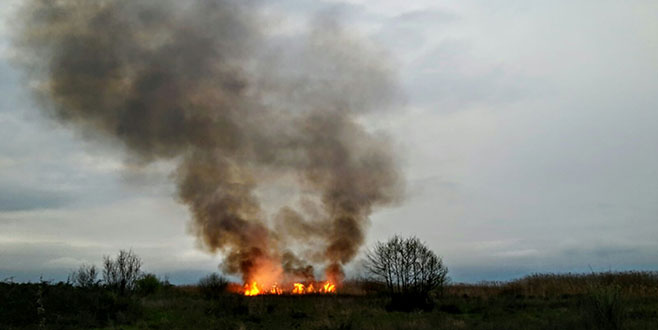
239, 106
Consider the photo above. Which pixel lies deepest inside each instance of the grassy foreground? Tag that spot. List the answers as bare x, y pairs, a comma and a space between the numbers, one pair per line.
594, 301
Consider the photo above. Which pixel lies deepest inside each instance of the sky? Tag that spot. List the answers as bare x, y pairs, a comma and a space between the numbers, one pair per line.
528, 137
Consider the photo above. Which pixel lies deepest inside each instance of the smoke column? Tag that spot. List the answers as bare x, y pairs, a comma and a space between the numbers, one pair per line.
209, 86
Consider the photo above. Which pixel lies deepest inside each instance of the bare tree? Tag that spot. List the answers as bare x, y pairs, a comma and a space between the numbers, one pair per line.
407, 266
85, 277
122, 273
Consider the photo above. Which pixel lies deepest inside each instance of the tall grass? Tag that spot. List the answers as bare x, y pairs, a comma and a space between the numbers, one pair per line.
633, 283
604, 307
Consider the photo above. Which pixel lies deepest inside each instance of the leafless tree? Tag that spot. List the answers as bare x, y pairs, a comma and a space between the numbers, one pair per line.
122, 273
85, 277
407, 266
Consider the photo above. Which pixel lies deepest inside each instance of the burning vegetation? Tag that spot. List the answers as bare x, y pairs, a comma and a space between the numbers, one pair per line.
261, 124
253, 289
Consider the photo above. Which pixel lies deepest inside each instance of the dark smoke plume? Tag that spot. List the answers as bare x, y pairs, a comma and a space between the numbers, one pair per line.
239, 106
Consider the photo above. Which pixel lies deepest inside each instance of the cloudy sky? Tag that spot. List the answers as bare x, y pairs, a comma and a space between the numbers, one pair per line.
528, 137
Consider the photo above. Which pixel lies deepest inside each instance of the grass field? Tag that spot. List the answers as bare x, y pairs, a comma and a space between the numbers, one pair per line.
594, 301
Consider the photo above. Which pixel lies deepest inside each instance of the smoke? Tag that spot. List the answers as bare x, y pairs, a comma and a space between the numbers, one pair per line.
240, 106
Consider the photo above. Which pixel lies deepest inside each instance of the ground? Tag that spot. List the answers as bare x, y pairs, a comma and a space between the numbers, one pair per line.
602, 301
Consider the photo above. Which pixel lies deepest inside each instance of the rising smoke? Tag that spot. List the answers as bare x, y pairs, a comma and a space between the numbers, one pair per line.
240, 106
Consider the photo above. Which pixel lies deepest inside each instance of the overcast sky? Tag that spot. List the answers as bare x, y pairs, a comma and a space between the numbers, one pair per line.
528, 135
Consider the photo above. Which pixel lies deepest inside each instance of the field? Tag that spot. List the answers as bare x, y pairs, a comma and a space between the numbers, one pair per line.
593, 301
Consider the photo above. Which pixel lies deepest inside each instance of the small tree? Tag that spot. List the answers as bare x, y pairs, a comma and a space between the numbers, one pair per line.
122, 273
85, 277
409, 269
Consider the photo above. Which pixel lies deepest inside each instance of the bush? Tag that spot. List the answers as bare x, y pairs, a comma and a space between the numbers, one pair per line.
63, 306
410, 270
148, 284
18, 304
212, 286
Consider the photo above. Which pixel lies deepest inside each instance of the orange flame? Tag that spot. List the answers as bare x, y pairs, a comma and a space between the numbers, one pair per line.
253, 289
276, 290
328, 287
298, 288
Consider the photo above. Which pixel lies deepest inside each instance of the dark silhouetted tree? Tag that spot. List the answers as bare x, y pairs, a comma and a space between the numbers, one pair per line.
85, 277
409, 269
122, 273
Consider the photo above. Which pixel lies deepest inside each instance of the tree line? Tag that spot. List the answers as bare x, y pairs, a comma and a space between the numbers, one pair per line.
122, 274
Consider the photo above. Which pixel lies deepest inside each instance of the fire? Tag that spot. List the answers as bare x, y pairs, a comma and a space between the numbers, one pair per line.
298, 288
254, 289
328, 288
251, 290
275, 289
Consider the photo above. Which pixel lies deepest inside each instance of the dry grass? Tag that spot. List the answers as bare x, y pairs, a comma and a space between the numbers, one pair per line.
634, 283
549, 301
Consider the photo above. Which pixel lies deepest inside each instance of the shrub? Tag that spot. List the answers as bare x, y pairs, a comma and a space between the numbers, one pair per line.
148, 284
212, 286
410, 270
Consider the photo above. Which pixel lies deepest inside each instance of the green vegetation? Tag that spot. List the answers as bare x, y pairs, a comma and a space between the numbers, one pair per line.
570, 301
